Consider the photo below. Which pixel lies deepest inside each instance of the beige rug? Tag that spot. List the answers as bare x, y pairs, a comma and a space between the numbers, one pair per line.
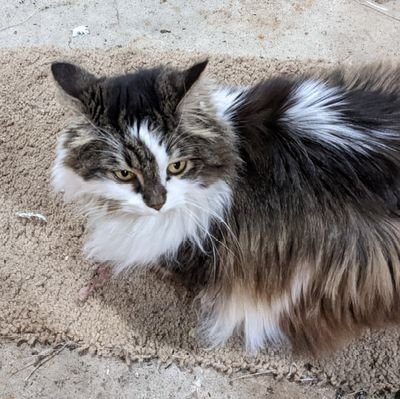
140, 317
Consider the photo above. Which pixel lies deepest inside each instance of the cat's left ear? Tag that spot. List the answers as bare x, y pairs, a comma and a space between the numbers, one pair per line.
192, 74
72, 79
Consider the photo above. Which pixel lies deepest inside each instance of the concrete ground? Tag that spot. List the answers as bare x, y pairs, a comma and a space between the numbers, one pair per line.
71, 376
339, 29
347, 30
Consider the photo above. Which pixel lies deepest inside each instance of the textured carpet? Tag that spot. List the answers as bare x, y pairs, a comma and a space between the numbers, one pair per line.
140, 316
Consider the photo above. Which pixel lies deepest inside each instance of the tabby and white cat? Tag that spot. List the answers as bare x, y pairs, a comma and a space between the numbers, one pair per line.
282, 198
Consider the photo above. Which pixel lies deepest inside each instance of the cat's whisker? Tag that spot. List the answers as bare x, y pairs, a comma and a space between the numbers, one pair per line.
177, 139
212, 236
222, 221
104, 135
212, 239
93, 213
76, 110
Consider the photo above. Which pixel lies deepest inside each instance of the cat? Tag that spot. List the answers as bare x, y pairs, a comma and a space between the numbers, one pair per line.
282, 198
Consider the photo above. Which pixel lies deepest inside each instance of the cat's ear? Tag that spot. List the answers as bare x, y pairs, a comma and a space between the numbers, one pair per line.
72, 79
192, 74
184, 80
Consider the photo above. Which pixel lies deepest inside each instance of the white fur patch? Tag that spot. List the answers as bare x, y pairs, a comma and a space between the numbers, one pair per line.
258, 320
316, 111
224, 99
131, 240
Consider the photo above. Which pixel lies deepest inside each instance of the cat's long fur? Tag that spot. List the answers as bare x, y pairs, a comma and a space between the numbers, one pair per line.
290, 213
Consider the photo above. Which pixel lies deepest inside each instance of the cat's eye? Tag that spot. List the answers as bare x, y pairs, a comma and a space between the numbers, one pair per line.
124, 175
176, 168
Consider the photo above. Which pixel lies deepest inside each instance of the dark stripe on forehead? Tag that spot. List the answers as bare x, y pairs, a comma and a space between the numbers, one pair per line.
138, 148
100, 102
134, 150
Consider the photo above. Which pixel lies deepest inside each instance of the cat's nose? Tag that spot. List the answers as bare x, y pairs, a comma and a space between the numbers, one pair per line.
158, 206
155, 198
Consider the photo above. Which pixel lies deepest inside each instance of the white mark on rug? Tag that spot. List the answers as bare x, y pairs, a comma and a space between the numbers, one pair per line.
31, 215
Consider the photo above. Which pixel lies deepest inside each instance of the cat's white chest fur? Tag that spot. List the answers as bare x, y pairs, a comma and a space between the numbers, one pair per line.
133, 241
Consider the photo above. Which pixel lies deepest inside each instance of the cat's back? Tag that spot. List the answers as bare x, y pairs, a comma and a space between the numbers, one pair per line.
334, 135
344, 94
375, 77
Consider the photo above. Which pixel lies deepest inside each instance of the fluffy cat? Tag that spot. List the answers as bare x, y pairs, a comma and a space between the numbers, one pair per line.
281, 198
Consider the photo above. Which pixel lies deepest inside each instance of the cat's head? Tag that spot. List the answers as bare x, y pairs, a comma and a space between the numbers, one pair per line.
143, 143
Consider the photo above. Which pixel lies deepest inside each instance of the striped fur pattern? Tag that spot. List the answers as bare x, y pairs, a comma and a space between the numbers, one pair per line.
288, 215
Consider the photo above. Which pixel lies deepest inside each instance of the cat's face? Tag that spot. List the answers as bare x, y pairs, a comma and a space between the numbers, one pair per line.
144, 143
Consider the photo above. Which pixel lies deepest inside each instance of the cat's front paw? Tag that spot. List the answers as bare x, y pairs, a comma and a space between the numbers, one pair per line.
100, 277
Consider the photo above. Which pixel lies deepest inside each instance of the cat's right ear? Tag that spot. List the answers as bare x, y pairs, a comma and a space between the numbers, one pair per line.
72, 79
